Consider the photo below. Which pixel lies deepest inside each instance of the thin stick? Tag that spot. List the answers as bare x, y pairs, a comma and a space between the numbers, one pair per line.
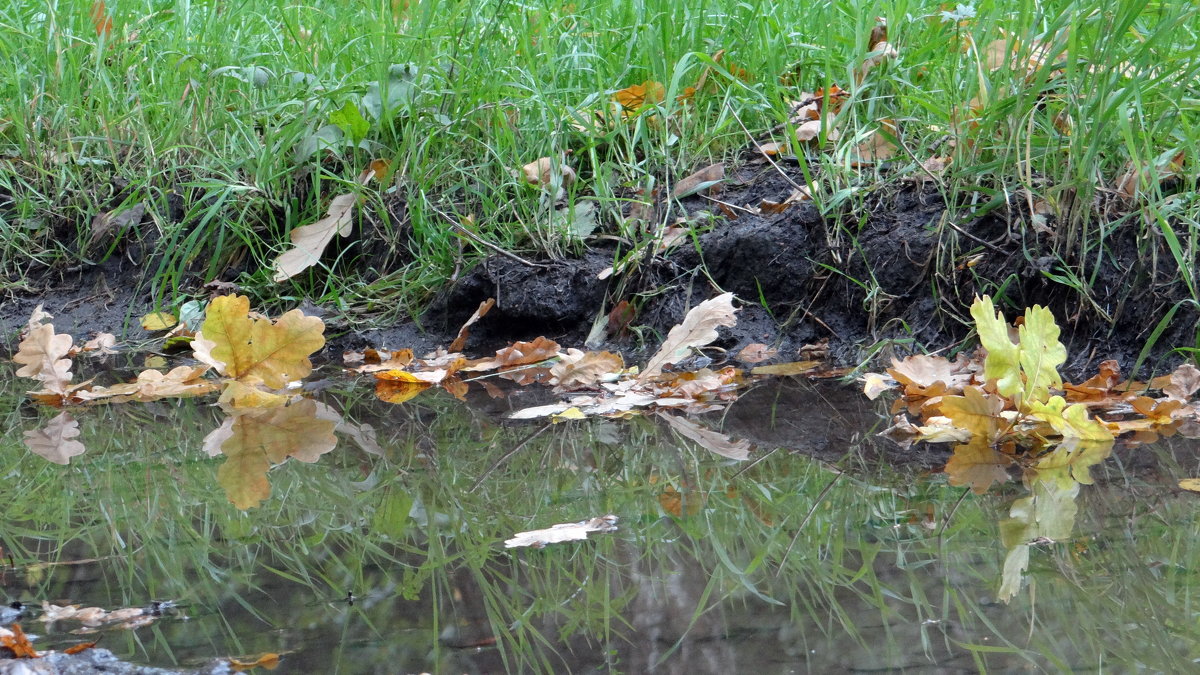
454, 224
760, 150
820, 498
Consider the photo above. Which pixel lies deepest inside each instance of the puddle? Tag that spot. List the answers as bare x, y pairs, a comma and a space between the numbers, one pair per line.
827, 551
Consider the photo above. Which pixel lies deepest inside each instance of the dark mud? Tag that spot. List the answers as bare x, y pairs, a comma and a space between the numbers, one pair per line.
892, 275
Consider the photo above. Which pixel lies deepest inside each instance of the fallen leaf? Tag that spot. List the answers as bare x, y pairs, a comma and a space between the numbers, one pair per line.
56, 441
577, 369
158, 321
679, 503
562, 532
377, 361
874, 384
713, 441
43, 357
518, 354
269, 661
700, 181
634, 97
18, 643
975, 411
1192, 484
547, 172
460, 340
756, 353
101, 21
102, 344
399, 389
79, 648
309, 241
239, 347
699, 327
182, 381
792, 368
879, 146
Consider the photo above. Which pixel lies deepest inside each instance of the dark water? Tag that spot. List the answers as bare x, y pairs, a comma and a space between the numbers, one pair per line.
825, 552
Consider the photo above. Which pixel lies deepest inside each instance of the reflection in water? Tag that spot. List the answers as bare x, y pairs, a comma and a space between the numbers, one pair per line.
386, 555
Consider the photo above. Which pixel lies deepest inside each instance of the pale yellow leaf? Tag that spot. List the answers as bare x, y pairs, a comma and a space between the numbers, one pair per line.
698, 328
158, 321
56, 440
43, 355
309, 241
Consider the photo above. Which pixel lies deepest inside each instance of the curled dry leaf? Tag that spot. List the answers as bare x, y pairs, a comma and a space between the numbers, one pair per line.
547, 172
577, 369
309, 241
102, 344
151, 385
704, 179
698, 328
563, 532
56, 441
756, 353
518, 354
460, 340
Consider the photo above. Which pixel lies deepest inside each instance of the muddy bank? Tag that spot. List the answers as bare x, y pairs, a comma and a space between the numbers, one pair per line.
893, 275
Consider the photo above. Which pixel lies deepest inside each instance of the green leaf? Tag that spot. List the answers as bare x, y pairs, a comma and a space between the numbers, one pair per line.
1041, 353
1003, 362
350, 121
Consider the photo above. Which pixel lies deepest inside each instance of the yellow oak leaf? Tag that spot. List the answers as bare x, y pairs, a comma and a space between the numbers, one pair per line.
1003, 362
242, 348
978, 465
1071, 422
975, 411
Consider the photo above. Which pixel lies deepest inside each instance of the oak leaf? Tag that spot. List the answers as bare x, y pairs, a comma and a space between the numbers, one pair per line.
698, 328
713, 441
577, 369
309, 241
518, 354
562, 532
43, 355
56, 440
634, 97
241, 348
977, 464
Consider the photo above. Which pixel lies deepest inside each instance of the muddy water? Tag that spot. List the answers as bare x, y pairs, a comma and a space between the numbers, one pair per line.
827, 551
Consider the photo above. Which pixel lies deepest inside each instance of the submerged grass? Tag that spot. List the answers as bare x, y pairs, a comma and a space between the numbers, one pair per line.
234, 123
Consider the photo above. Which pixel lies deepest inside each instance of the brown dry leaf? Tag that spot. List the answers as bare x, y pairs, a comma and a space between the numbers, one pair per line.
975, 411
713, 441
309, 241
548, 173
182, 381
100, 18
878, 147
577, 369
698, 328
242, 348
756, 353
1159, 412
698, 182
799, 194
1180, 384
1099, 389
269, 661
155, 321
460, 340
377, 361
634, 97
934, 167
879, 49
783, 369
102, 344
79, 648
978, 465
254, 441
18, 643
56, 440
563, 532
43, 355
518, 354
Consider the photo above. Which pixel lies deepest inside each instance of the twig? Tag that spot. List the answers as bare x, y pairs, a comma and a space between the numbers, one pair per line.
761, 152
517, 448
477, 239
820, 498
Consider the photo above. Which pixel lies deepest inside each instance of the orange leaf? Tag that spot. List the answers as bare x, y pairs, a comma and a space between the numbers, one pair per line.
269, 661
81, 647
19, 644
978, 465
632, 98
100, 18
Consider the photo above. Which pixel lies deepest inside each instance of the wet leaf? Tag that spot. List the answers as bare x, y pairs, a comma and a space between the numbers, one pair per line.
679, 503
577, 369
1070, 422
460, 340
377, 361
79, 648
1192, 484
792, 368
309, 241
518, 354
242, 348
563, 532
698, 328
43, 355
1070, 462
756, 353
1181, 384
269, 661
874, 384
158, 321
713, 441
18, 643
977, 465
56, 440
254, 441
399, 390
183, 381
976, 412
102, 344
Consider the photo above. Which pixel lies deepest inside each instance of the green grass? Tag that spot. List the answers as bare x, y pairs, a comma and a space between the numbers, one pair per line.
217, 115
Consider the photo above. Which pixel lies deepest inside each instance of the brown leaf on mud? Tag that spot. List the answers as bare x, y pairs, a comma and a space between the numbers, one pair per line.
43, 355
1180, 384
56, 440
698, 328
634, 97
518, 354
242, 348
1099, 389
102, 344
878, 147
713, 441
797, 195
978, 465
704, 179
562, 532
309, 241
255, 440
18, 643
756, 353
460, 340
577, 369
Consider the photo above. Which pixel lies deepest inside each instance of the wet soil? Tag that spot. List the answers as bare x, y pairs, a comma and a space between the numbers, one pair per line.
894, 274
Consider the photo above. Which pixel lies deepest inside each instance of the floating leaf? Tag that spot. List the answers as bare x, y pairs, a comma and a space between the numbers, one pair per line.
714, 441
976, 412
43, 355
309, 241
977, 465
519, 354
577, 369
1192, 484
792, 368
1070, 422
270, 661
239, 347
158, 321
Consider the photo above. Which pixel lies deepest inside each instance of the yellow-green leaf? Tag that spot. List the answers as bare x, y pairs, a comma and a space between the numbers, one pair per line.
242, 348
1003, 362
1071, 422
1041, 353
159, 321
